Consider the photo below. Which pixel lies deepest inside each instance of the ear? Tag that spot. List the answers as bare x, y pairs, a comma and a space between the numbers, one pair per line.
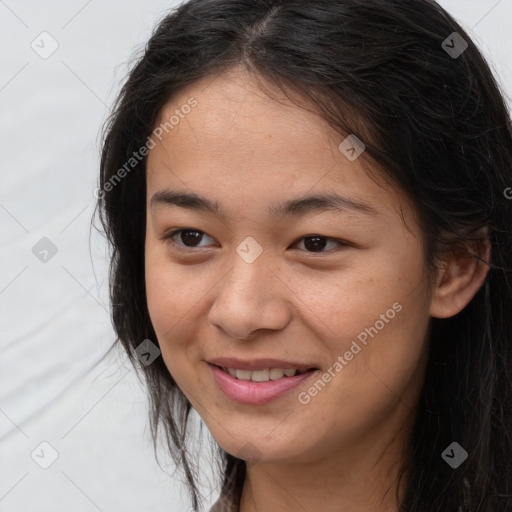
459, 278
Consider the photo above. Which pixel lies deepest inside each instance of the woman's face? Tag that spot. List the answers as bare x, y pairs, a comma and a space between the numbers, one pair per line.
273, 280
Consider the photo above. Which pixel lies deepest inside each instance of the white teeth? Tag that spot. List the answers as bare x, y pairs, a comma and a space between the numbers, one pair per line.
243, 374
261, 375
276, 373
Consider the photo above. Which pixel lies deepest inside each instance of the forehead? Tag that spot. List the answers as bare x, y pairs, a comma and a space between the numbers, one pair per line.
233, 115
236, 142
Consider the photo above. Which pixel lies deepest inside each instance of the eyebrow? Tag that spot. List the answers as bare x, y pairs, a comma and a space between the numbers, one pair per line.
296, 207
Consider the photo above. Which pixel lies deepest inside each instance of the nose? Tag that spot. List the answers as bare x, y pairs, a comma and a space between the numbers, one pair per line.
251, 298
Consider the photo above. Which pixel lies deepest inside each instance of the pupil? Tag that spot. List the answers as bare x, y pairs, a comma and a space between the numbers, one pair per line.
193, 238
316, 246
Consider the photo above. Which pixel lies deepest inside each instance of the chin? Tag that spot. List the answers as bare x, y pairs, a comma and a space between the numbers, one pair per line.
260, 448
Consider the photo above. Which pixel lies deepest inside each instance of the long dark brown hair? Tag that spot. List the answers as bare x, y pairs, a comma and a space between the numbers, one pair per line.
433, 118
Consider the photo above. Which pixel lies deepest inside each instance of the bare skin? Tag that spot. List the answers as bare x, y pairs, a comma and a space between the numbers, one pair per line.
343, 448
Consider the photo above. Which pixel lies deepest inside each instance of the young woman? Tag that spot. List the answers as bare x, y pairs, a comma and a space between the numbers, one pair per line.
310, 212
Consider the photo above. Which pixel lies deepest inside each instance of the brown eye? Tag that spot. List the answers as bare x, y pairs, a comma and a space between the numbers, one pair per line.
186, 237
317, 243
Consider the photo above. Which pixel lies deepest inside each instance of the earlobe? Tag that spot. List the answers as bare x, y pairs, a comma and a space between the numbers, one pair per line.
460, 277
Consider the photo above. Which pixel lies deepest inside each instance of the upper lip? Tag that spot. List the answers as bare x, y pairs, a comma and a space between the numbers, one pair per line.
258, 364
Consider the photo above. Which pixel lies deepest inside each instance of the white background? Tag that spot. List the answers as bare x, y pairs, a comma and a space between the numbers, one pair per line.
54, 322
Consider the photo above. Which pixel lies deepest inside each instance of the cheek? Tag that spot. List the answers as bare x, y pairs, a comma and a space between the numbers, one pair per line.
177, 298
169, 304
376, 320
340, 305
172, 290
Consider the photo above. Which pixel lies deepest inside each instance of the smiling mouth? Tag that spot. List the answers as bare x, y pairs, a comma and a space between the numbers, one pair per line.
261, 386
264, 375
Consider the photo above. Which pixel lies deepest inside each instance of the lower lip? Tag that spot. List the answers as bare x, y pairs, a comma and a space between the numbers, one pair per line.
256, 393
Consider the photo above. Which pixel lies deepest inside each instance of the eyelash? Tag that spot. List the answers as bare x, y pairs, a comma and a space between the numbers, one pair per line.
169, 238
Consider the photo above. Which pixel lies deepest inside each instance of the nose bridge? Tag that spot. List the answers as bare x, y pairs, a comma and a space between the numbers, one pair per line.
250, 269
249, 281
250, 297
